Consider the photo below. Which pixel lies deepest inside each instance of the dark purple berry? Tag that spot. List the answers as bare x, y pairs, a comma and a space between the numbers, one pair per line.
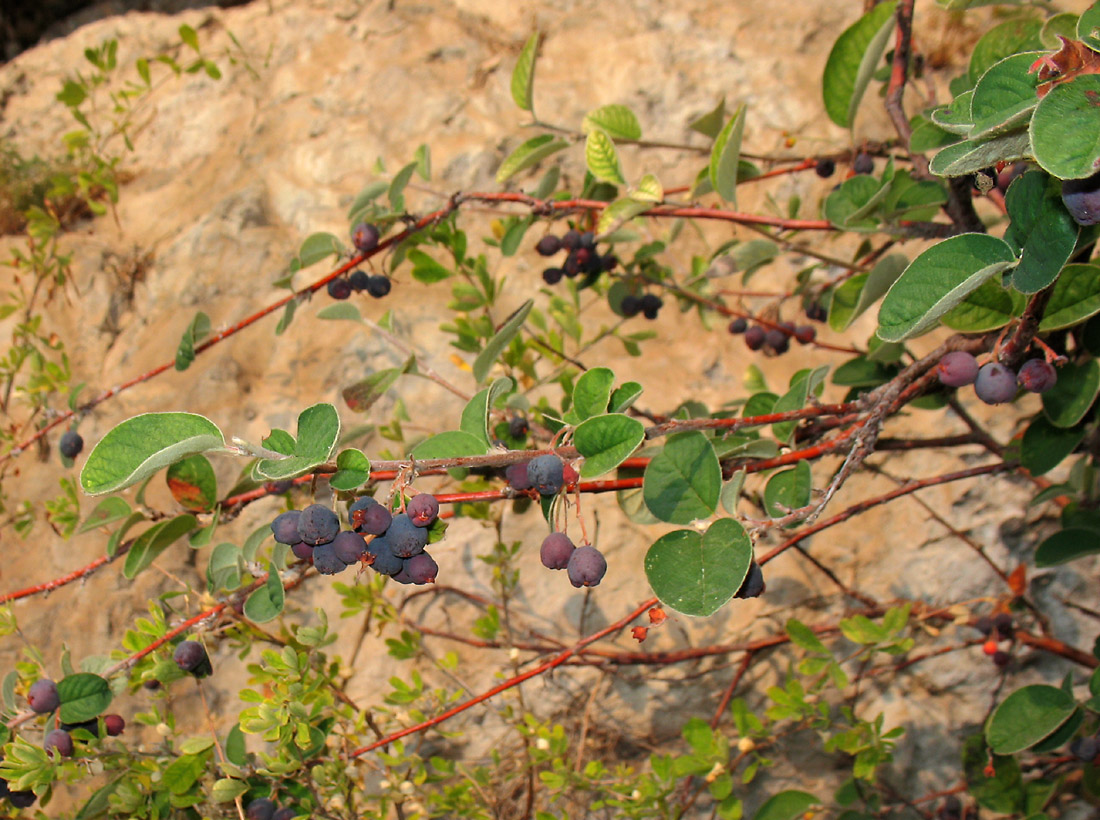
1004, 625
405, 538
753, 585
588, 240
651, 303
373, 519
586, 567
1037, 376
43, 697
152, 684
571, 240
556, 550
302, 551
22, 800
365, 237
317, 525
548, 245
60, 740
326, 561
114, 724
777, 340
359, 281
1085, 749
385, 562
339, 288
516, 474
546, 474
285, 813
403, 577
262, 808
825, 168
518, 427
278, 487
864, 163
805, 334
1082, 199
631, 305
738, 325
754, 337
422, 509
285, 527
363, 503
984, 624
349, 547
378, 285
552, 276
1001, 659
815, 312
957, 369
421, 568
71, 444
995, 384
190, 656
608, 262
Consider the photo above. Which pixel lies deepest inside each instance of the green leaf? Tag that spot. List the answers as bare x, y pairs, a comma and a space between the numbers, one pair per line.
107, 511
802, 387
970, 156
853, 206
287, 317
223, 570
601, 157
987, 308
617, 120
523, 75
1003, 40
1066, 403
317, 247
725, 156
624, 396
861, 291
909, 198
605, 441
423, 158
928, 136
84, 696
710, 124
788, 490
396, 192
318, 430
1041, 231
1088, 27
426, 269
197, 330
801, 635
1067, 545
193, 484
1027, 716
619, 211
366, 197
148, 546
188, 35
696, 575
937, 280
141, 446
1004, 96
452, 444
341, 311
955, 117
503, 337
531, 152
362, 395
352, 470
853, 60
786, 806
592, 392
1061, 146
226, 790
266, 602
182, 773
682, 481
1076, 297
475, 416
649, 189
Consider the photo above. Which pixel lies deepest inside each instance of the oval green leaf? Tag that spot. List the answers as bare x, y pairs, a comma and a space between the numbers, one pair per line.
193, 484
352, 470
788, 490
606, 441
695, 574
266, 602
523, 75
1044, 445
592, 392
531, 152
500, 340
857, 294
1065, 130
1067, 545
1076, 297
1027, 716
1041, 231
601, 157
682, 482
852, 62
725, 157
1066, 403
84, 696
452, 444
1004, 96
617, 120
318, 430
971, 156
786, 805
148, 546
987, 308
317, 247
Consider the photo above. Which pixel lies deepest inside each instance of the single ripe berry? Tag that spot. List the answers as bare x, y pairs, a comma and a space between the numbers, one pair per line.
957, 368
152, 684
302, 551
995, 383
326, 561
405, 538
815, 312
285, 527
71, 444
1082, 199
805, 334
631, 305
1037, 376
383, 560
339, 288
43, 697
587, 240
60, 740
571, 240
378, 285
548, 245
552, 276
777, 340
516, 474
651, 303
262, 808
572, 264
359, 281
190, 656
608, 262
1085, 749
754, 337
285, 813
738, 325
365, 237
825, 168
753, 585
22, 800
1001, 659
1006, 629
586, 567
360, 505
114, 724
376, 519
556, 550
546, 474
984, 625
349, 547
518, 427
422, 509
421, 568
864, 163
317, 525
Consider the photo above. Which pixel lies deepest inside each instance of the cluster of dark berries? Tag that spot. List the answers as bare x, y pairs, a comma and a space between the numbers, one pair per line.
585, 565
993, 382
996, 629
582, 256
377, 285
397, 549
546, 474
753, 586
191, 657
43, 697
648, 304
776, 339
71, 444
264, 808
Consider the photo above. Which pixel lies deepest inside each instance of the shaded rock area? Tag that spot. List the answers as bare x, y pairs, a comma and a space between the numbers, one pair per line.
228, 176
